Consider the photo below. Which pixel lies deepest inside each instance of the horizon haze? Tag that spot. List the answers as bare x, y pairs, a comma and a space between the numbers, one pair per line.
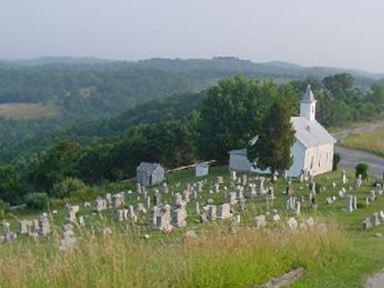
345, 34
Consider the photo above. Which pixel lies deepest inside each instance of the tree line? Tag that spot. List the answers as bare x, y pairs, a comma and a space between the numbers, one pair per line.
223, 117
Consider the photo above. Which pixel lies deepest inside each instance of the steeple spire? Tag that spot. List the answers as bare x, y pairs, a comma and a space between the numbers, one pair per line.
308, 95
308, 105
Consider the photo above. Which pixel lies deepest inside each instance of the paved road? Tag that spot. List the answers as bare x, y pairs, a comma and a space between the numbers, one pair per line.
350, 158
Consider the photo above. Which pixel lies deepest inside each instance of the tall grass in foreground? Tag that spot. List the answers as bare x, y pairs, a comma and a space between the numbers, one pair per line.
216, 258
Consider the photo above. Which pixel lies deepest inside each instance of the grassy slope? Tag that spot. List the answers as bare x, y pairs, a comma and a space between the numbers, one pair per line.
27, 110
340, 257
370, 141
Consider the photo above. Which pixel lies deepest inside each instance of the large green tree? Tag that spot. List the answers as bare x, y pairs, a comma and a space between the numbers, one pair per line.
232, 112
338, 83
272, 150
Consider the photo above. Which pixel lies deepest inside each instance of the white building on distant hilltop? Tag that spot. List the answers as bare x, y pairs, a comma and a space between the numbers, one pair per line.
312, 150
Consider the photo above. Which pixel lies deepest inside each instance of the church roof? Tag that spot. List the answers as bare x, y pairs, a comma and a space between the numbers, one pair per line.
311, 133
308, 95
148, 168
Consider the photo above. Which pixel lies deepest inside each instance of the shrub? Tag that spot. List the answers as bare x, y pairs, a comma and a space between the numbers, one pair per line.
361, 205
336, 161
57, 203
85, 194
4, 207
362, 169
67, 187
37, 200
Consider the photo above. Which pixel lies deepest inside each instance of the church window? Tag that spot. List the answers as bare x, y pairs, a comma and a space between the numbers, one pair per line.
311, 162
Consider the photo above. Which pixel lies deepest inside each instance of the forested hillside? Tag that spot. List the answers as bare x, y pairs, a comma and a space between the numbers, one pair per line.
112, 115
178, 131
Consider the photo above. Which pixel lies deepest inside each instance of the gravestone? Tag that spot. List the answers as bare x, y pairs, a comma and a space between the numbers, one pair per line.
141, 208
179, 216
101, 204
381, 215
329, 200
239, 193
344, 179
186, 196
148, 202
212, 213
155, 214
26, 227
276, 217
366, 224
163, 222
9, 237
233, 175
244, 179
260, 222
359, 181
313, 188
224, 211
197, 208
292, 223
138, 188
375, 220
178, 199
118, 200
71, 212
156, 198
217, 188
45, 228
231, 198
81, 221
350, 203
108, 197
120, 215
260, 186
132, 214
310, 223
67, 241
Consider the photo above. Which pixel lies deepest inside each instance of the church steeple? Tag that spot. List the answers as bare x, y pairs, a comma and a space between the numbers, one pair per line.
308, 105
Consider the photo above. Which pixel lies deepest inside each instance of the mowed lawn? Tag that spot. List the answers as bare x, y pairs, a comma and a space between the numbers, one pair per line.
370, 141
27, 110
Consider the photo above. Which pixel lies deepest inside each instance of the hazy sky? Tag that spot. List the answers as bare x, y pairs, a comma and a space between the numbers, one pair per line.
344, 33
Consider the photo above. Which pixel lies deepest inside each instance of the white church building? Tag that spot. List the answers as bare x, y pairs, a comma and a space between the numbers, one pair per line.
312, 150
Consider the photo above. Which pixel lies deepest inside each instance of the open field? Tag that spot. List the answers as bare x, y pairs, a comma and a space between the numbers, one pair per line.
27, 110
335, 252
370, 141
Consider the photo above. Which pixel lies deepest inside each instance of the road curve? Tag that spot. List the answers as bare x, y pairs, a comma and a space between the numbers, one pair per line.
351, 157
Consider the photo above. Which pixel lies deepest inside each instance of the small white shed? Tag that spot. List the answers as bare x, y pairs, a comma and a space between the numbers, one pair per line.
202, 169
148, 174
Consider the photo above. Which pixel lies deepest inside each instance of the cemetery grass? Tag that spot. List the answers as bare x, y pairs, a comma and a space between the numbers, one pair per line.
370, 141
340, 256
